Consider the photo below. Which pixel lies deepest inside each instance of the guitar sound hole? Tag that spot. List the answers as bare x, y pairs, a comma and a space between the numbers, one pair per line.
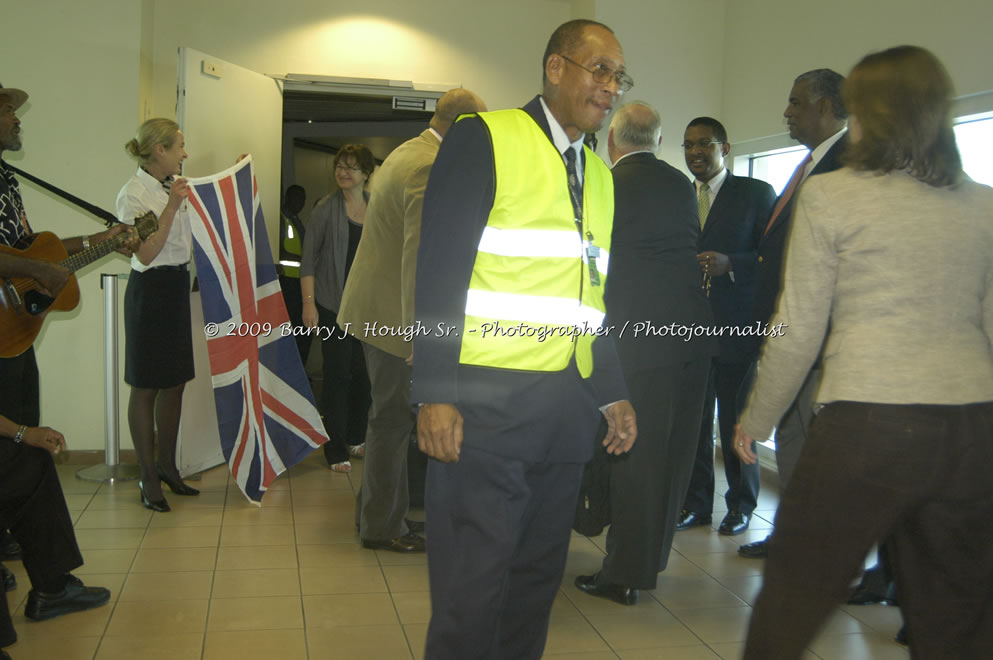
36, 302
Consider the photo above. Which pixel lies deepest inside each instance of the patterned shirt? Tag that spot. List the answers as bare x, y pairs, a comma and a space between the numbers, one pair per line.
13, 220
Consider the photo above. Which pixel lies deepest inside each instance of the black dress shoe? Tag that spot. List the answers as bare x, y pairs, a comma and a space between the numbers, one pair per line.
155, 505
734, 523
415, 526
756, 550
688, 519
178, 487
865, 595
74, 597
619, 594
901, 636
409, 543
9, 581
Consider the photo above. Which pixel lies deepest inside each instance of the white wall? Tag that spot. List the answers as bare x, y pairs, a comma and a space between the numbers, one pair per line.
672, 49
79, 63
770, 42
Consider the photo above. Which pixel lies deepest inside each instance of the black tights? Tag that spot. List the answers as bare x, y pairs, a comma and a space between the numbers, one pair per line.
149, 409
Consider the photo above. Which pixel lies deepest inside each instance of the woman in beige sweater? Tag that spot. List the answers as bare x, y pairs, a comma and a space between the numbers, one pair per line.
890, 269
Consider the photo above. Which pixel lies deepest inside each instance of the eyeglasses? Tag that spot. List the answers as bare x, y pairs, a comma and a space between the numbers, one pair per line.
346, 168
603, 74
702, 144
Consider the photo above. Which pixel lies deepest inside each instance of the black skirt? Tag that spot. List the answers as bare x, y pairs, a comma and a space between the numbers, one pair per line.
158, 335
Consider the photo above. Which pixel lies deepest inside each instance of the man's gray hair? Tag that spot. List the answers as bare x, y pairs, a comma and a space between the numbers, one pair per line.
825, 83
637, 124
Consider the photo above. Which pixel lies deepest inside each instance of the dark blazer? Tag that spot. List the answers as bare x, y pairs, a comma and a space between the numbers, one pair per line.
512, 405
654, 276
769, 269
734, 227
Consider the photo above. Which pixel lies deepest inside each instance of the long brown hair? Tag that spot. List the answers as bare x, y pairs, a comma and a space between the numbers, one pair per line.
901, 98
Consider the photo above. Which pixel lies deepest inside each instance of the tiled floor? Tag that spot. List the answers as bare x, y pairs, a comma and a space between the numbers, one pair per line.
218, 578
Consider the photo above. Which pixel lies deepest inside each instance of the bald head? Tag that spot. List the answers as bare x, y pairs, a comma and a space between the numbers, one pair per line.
455, 102
636, 127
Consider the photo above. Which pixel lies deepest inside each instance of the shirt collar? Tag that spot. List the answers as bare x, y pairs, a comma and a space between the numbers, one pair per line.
148, 180
559, 138
817, 153
715, 183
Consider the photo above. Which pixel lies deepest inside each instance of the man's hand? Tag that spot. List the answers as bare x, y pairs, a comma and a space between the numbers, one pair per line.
744, 446
51, 277
439, 431
622, 428
45, 438
713, 263
131, 240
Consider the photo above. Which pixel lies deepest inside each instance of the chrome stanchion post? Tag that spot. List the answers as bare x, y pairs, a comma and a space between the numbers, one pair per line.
111, 471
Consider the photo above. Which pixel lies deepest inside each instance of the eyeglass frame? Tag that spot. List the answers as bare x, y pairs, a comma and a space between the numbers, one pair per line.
623, 80
342, 166
700, 144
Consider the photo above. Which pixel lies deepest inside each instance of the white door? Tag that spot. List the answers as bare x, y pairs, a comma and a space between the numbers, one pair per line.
224, 110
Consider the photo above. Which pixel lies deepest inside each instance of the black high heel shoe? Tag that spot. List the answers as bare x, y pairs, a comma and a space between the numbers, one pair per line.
178, 487
155, 505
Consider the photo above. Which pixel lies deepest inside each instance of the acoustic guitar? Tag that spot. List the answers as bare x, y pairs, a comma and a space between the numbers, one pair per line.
23, 306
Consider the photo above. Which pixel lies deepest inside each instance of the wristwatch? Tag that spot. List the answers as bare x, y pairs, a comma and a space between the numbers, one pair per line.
20, 433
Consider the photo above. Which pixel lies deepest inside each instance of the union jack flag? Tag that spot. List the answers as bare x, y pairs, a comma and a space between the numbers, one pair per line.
266, 414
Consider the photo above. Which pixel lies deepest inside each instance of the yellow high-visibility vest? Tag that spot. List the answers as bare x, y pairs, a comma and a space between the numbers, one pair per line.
532, 303
290, 247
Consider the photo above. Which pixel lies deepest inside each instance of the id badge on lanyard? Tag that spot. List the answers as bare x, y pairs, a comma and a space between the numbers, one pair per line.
592, 252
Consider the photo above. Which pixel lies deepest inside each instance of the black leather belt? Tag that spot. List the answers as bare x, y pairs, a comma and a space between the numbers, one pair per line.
185, 266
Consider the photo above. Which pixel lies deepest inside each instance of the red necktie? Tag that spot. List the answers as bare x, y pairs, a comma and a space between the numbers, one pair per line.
788, 193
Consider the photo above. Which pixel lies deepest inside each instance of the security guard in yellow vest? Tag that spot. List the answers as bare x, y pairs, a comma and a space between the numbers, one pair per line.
291, 232
511, 361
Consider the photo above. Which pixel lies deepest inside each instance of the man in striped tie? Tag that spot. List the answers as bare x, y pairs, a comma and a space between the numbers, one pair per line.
816, 117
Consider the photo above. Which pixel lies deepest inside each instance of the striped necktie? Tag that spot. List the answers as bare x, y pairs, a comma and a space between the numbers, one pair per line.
790, 189
703, 200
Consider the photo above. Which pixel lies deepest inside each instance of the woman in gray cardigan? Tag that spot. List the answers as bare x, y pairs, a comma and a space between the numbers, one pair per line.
891, 260
329, 246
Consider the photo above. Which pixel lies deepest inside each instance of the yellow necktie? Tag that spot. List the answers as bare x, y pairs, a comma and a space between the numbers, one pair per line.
704, 203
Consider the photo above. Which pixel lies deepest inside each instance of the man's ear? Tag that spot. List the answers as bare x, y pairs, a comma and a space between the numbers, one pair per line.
725, 149
553, 68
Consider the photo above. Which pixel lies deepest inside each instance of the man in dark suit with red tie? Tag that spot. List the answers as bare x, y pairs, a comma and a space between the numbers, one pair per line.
733, 211
816, 117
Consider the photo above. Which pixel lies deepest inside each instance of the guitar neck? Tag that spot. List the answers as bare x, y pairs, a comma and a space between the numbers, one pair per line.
91, 254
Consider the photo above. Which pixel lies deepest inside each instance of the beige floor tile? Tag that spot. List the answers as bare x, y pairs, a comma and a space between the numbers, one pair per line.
168, 586
720, 564
158, 617
416, 634
717, 625
326, 611
643, 629
573, 635
257, 582
276, 499
114, 518
336, 498
340, 516
205, 500
78, 501
415, 606
310, 534
164, 560
881, 618
318, 478
562, 607
181, 537
697, 541
228, 645
686, 593
680, 566
234, 558
203, 517
181, 646
734, 651
407, 578
60, 648
868, 645
89, 623
592, 655
341, 580
387, 558
358, 643
327, 555
267, 515
106, 561
108, 539
75, 486
255, 613
699, 652
256, 535
744, 587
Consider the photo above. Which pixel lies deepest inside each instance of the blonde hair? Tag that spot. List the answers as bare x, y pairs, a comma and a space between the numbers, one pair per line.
152, 132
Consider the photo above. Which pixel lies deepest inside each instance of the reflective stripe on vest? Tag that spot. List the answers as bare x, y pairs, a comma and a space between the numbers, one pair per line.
290, 248
531, 305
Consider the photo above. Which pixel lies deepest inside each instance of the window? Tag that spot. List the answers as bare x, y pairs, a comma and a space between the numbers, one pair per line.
974, 135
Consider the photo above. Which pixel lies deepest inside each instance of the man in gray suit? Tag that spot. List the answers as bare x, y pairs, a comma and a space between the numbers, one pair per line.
377, 307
